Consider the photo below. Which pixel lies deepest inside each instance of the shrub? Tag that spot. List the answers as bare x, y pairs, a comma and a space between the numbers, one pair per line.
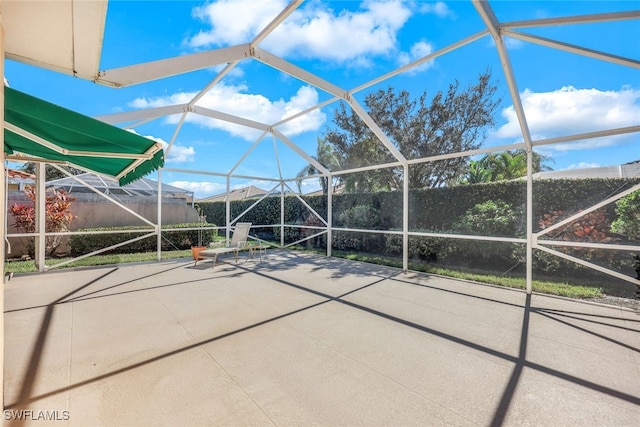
57, 217
491, 218
627, 222
363, 217
420, 247
360, 216
172, 240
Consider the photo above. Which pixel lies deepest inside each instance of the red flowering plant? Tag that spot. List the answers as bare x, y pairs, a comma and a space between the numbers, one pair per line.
591, 227
57, 217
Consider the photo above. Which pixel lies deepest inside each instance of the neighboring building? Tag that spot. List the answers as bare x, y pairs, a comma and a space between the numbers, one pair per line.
17, 180
249, 192
627, 170
141, 196
142, 187
339, 189
91, 210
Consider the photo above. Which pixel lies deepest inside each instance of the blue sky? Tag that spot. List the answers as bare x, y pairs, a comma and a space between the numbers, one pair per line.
349, 43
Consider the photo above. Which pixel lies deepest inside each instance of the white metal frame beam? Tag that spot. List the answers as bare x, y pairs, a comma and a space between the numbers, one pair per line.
154, 70
420, 61
146, 115
580, 19
486, 13
297, 72
279, 19
366, 118
591, 53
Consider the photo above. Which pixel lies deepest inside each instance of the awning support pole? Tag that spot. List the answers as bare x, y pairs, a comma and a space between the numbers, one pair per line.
159, 206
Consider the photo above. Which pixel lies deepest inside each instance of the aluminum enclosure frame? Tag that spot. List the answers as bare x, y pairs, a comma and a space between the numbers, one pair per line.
495, 29
231, 56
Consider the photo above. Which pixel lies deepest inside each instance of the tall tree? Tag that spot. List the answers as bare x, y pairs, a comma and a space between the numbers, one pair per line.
51, 173
453, 121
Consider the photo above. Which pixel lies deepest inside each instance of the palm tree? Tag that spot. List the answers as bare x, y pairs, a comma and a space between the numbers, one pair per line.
326, 156
476, 173
506, 165
510, 164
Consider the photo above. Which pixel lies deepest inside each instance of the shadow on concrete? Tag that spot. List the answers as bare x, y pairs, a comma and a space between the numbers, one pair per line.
24, 395
33, 367
507, 396
520, 361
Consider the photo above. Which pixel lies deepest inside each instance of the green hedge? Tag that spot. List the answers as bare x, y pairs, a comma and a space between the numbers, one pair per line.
432, 209
172, 240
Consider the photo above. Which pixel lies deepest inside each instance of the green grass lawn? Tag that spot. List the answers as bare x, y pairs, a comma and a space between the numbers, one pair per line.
29, 266
547, 287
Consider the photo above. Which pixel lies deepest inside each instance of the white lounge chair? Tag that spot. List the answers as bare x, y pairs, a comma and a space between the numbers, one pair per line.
237, 243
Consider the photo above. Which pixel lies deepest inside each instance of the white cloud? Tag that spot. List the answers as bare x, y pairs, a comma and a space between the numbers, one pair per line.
583, 165
571, 111
439, 9
313, 31
509, 42
233, 99
200, 189
512, 43
234, 21
178, 153
418, 50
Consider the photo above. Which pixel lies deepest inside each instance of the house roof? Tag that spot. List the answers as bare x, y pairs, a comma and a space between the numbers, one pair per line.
627, 170
18, 174
141, 187
249, 192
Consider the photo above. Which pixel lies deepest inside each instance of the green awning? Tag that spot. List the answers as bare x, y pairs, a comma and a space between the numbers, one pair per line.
38, 128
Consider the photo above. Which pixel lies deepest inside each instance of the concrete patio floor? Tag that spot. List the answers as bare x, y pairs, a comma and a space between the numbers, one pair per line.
300, 339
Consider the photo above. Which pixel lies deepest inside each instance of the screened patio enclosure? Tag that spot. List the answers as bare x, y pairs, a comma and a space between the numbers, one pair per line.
495, 27
551, 222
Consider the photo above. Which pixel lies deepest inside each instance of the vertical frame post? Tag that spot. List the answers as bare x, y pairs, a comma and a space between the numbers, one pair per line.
228, 210
529, 276
405, 219
329, 215
281, 213
41, 216
159, 222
